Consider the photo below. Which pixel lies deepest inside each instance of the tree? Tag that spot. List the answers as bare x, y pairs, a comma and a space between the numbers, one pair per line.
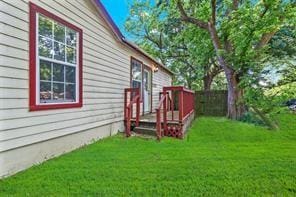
239, 32
170, 41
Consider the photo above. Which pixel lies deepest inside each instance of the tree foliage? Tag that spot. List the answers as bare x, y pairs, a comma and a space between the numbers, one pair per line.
185, 49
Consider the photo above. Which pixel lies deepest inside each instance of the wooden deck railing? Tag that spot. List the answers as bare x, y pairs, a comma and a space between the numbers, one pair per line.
133, 95
188, 103
169, 100
185, 101
160, 125
184, 105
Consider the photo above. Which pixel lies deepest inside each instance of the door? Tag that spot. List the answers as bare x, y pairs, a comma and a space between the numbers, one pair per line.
147, 90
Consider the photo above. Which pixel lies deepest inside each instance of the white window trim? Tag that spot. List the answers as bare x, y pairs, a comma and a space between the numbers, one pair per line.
77, 80
141, 81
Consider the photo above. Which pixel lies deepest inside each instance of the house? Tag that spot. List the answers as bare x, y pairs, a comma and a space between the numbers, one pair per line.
65, 67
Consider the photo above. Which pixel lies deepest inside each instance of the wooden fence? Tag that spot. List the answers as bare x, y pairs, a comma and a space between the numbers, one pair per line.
211, 103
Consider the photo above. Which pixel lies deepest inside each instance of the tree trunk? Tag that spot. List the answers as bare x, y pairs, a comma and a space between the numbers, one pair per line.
235, 95
189, 83
236, 107
208, 79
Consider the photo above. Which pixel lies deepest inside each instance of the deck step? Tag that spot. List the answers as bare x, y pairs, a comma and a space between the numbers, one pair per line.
145, 124
145, 130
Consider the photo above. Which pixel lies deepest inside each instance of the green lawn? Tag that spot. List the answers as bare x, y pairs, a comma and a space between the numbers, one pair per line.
218, 156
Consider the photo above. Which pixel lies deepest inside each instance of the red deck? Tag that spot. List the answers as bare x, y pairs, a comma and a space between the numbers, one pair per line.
172, 116
152, 117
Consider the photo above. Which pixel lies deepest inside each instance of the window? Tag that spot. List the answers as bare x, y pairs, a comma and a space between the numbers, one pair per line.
57, 49
55, 61
136, 75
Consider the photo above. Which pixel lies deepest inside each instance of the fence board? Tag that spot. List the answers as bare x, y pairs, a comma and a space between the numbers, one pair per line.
211, 103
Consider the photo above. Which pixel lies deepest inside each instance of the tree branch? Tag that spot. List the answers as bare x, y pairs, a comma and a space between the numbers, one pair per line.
213, 68
267, 36
188, 64
251, 34
201, 24
235, 4
151, 39
265, 39
213, 5
264, 11
177, 56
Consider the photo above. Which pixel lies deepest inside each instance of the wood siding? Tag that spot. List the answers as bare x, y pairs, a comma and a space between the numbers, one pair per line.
160, 79
106, 72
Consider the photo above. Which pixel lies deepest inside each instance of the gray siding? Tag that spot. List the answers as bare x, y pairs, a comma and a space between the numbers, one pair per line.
106, 72
160, 79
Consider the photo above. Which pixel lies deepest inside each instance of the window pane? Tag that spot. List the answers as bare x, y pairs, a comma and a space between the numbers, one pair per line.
59, 51
58, 91
59, 33
71, 55
45, 91
58, 72
45, 47
45, 26
45, 70
70, 92
136, 84
70, 74
137, 71
145, 80
71, 37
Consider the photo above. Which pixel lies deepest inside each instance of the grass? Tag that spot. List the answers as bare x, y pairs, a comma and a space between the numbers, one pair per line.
218, 157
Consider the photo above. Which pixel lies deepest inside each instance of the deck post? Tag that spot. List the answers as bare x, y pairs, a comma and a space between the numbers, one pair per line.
181, 106
138, 112
128, 123
132, 94
158, 124
125, 103
172, 104
165, 112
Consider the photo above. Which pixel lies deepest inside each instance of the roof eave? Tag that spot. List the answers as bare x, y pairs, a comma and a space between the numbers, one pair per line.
138, 49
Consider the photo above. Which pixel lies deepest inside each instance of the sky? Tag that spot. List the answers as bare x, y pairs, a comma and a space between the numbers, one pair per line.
118, 10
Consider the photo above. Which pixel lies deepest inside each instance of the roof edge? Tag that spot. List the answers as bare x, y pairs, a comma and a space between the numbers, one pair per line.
141, 51
121, 37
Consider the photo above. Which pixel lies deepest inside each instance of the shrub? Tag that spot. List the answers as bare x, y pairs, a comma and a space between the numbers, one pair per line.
252, 118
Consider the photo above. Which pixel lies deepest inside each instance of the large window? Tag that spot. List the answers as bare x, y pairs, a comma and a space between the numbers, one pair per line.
136, 74
55, 61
